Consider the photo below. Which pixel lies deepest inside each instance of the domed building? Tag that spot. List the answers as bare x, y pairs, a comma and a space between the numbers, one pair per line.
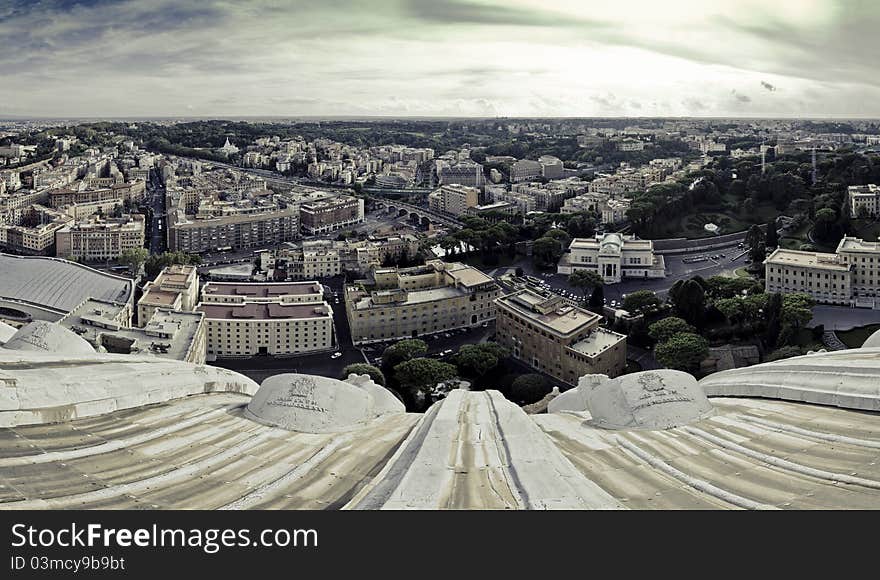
92, 430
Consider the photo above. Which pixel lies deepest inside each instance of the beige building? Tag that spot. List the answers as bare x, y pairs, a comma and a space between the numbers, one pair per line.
329, 215
614, 257
278, 319
100, 239
864, 200
249, 230
175, 288
34, 231
453, 199
167, 334
850, 276
525, 170
410, 302
551, 335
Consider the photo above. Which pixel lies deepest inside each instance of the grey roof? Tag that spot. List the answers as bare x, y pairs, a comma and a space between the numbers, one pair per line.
58, 284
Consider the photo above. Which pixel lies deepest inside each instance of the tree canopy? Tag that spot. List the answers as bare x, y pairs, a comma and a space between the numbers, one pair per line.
683, 351
364, 369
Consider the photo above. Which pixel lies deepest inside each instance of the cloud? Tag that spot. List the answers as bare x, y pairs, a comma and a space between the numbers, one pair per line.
740, 97
433, 57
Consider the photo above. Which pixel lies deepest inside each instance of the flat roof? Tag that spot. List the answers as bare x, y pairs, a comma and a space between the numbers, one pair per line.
566, 319
783, 257
597, 342
158, 297
468, 276
58, 284
260, 311
858, 245
261, 290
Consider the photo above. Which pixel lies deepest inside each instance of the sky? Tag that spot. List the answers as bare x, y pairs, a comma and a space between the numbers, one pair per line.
484, 58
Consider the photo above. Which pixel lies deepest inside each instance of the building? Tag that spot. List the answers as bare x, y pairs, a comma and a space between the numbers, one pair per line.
36, 288
850, 276
465, 173
252, 230
551, 167
100, 239
410, 302
167, 334
526, 170
864, 200
328, 215
277, 319
175, 288
556, 337
33, 231
453, 199
614, 257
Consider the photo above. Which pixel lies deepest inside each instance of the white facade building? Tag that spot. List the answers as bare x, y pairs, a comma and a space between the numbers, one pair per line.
614, 257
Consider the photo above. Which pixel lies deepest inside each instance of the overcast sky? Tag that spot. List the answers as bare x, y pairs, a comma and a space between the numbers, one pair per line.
440, 57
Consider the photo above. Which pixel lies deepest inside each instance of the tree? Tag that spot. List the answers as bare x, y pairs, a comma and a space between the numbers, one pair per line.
754, 237
401, 352
771, 240
597, 299
585, 279
797, 309
640, 300
683, 351
664, 329
773, 315
784, 352
364, 369
418, 375
529, 388
476, 360
689, 300
134, 258
546, 251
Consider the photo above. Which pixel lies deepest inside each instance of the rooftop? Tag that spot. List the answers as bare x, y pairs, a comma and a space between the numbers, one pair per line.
58, 284
261, 311
257, 290
851, 244
550, 312
783, 257
598, 341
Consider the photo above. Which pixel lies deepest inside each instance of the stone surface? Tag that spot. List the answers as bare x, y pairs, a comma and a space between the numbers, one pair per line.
873, 341
45, 336
39, 387
658, 399
6, 332
312, 404
848, 378
384, 401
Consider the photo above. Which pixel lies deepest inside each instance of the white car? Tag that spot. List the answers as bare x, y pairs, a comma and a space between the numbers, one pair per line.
336, 355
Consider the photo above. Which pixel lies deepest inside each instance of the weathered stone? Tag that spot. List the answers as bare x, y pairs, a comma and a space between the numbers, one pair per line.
873, 341
384, 401
6, 332
45, 336
311, 404
658, 399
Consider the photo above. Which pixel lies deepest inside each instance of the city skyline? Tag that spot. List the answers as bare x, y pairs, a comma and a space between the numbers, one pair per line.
447, 58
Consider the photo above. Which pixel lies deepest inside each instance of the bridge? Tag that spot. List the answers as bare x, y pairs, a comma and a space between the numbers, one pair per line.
420, 215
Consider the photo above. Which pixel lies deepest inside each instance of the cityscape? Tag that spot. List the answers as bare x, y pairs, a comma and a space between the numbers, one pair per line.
320, 298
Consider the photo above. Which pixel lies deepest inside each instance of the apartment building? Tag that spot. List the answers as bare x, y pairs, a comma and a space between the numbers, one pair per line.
409, 302
329, 215
100, 239
252, 230
453, 199
556, 337
33, 231
465, 173
276, 319
614, 257
864, 200
525, 170
175, 288
850, 276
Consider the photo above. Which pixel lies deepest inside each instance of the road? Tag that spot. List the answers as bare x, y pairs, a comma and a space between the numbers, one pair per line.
156, 201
